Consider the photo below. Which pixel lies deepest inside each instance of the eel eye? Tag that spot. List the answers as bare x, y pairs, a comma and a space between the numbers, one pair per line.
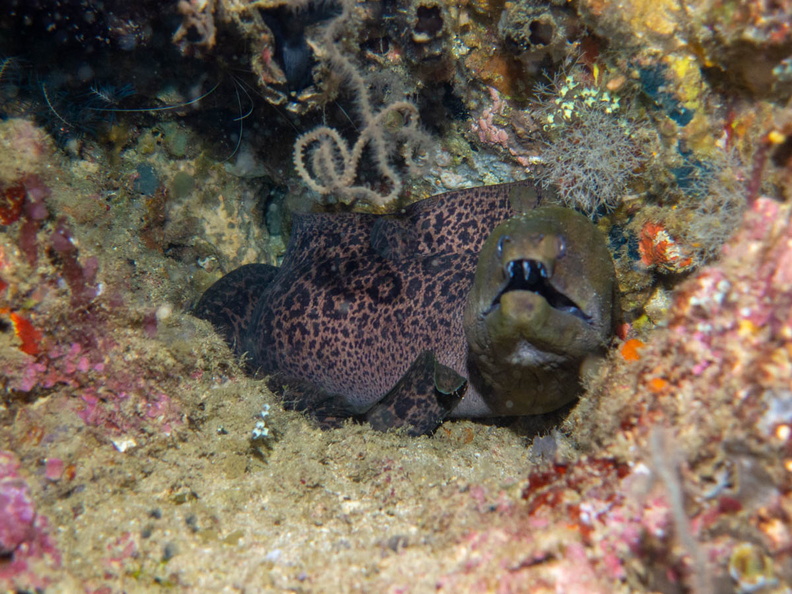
501, 242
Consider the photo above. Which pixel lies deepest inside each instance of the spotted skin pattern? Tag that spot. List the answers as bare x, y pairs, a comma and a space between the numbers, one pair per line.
361, 299
359, 296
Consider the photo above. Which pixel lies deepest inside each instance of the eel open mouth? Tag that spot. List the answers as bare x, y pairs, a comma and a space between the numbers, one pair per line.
531, 275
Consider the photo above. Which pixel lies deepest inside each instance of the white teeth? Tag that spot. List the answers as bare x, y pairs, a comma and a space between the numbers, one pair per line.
526, 266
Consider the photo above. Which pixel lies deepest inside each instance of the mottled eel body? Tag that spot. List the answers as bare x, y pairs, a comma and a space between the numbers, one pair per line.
389, 317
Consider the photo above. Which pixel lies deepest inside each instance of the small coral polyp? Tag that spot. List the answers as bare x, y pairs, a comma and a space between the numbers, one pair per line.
422, 28
283, 51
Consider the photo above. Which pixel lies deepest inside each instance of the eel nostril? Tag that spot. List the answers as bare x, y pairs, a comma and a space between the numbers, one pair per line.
501, 243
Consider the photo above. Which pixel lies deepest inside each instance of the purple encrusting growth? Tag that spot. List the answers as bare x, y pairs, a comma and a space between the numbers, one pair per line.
35, 211
25, 541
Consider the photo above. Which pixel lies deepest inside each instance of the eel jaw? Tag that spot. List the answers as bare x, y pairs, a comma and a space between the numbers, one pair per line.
533, 276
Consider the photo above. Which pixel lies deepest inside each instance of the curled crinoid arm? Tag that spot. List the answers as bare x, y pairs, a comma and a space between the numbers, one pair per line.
325, 162
328, 159
390, 137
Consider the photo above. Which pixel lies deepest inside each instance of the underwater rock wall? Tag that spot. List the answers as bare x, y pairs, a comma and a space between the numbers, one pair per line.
158, 152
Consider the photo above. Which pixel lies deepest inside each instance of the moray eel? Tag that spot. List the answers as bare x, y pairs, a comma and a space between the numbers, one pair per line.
473, 303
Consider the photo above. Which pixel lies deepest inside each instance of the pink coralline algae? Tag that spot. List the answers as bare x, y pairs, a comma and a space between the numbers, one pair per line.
113, 387
53, 468
57, 365
108, 395
489, 132
17, 507
485, 128
25, 543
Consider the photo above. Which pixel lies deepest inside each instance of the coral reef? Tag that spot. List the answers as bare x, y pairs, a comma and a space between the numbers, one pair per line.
749, 44
82, 331
148, 148
719, 404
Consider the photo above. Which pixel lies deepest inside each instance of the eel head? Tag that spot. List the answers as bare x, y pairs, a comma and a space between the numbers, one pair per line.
542, 302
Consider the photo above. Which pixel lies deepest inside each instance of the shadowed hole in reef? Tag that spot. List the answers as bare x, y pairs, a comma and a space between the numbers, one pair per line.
292, 52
